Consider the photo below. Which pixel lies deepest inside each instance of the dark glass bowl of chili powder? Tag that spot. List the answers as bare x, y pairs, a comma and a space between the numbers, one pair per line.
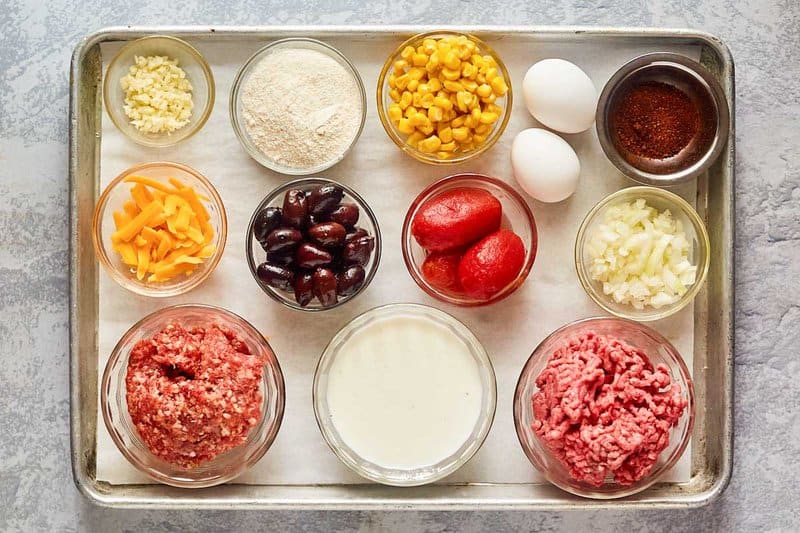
662, 119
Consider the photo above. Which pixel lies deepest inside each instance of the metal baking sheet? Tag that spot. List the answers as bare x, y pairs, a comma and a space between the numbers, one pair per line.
713, 340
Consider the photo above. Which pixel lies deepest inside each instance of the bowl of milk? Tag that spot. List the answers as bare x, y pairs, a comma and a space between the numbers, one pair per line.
404, 394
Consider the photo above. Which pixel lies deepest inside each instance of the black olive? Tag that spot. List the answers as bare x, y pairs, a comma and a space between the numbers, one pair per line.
327, 234
266, 220
309, 256
350, 280
304, 288
358, 250
346, 215
325, 286
282, 240
324, 199
276, 276
295, 208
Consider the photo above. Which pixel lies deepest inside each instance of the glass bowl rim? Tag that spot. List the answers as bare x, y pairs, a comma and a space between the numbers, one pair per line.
243, 137
391, 132
700, 230
208, 77
676, 360
100, 247
675, 62
272, 427
485, 420
274, 194
427, 194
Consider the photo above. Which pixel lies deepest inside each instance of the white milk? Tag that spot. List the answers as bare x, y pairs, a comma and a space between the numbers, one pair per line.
404, 392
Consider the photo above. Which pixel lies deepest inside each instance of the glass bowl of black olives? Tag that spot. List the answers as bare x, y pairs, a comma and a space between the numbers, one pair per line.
313, 244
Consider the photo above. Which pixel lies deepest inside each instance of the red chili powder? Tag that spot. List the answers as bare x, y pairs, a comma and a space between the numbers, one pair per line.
655, 120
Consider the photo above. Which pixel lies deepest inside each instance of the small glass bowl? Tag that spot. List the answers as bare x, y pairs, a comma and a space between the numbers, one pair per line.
224, 467
517, 216
197, 72
658, 349
256, 255
702, 88
384, 100
693, 227
235, 104
400, 477
118, 191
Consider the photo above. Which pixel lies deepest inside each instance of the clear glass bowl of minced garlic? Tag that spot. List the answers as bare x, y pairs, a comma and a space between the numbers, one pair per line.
158, 90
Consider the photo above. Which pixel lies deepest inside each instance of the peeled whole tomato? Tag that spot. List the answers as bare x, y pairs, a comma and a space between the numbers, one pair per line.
560, 95
545, 165
440, 270
490, 264
456, 218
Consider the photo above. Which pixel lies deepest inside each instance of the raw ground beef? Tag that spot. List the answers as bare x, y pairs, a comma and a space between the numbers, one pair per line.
603, 409
193, 394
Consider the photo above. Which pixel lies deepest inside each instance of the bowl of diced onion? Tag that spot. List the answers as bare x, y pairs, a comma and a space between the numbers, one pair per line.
642, 253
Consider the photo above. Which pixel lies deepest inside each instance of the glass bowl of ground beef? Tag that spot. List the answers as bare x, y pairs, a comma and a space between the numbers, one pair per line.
604, 407
192, 395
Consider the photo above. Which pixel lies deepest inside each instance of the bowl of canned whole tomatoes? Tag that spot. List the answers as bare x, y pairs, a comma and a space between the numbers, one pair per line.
469, 240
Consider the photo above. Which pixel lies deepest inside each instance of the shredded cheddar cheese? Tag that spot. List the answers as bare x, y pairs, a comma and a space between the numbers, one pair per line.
163, 230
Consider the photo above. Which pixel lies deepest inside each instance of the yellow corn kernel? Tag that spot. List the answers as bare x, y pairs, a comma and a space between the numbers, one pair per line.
499, 86
407, 52
480, 78
423, 88
445, 132
452, 61
429, 145
493, 108
483, 90
452, 86
404, 126
488, 118
470, 122
433, 62
463, 99
469, 85
405, 99
477, 61
443, 46
491, 73
392, 81
450, 74
400, 66
435, 85
444, 155
478, 139
483, 129
418, 119
416, 73
429, 46
475, 114
448, 147
489, 60
410, 111
401, 82
427, 100
457, 122
435, 113
426, 130
489, 99
460, 134
395, 112
419, 60
471, 46
412, 85
416, 99
414, 138
442, 102
394, 94
468, 70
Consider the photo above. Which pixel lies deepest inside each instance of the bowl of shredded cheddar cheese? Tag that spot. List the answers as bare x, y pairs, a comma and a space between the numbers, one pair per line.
158, 90
159, 229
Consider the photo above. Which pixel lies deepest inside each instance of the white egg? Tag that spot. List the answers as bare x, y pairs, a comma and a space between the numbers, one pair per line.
545, 165
560, 95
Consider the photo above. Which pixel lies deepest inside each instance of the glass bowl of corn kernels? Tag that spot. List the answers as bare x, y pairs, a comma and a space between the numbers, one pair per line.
444, 97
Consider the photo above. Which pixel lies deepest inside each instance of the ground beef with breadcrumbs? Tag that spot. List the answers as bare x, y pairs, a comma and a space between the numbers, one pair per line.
193, 393
603, 410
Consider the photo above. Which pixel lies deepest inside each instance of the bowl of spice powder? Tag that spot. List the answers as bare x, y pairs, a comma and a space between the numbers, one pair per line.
298, 106
662, 119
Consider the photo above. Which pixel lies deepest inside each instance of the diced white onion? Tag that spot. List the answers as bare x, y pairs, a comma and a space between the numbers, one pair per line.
641, 256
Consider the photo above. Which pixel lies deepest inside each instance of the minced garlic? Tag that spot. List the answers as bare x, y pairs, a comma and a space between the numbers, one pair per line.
158, 97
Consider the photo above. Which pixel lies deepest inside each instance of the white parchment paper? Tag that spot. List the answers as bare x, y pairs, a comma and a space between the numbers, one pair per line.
388, 180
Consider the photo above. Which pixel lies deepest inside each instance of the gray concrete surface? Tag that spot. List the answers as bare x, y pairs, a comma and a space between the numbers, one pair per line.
36, 39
